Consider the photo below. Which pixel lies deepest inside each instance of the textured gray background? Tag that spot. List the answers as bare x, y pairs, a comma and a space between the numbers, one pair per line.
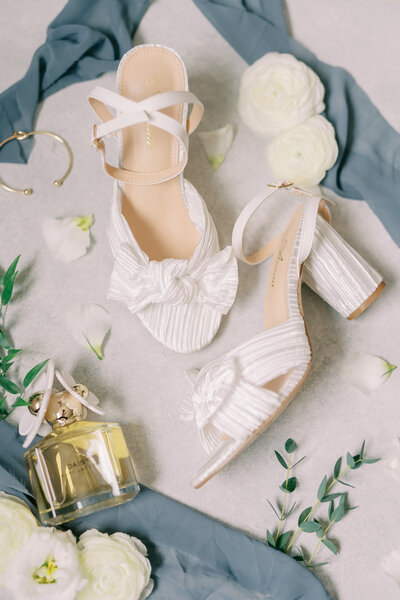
143, 385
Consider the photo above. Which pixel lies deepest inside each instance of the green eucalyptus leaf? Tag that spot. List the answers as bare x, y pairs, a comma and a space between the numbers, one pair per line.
270, 539
5, 366
283, 540
362, 449
330, 545
310, 526
281, 459
322, 489
304, 514
336, 470
9, 385
299, 461
344, 483
370, 461
290, 446
11, 353
4, 343
338, 513
20, 402
289, 512
273, 508
331, 508
30, 376
2, 400
315, 565
9, 274
350, 461
8, 290
298, 557
330, 497
357, 461
289, 485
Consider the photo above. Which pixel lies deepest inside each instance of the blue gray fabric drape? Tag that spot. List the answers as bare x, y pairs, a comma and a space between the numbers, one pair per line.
193, 557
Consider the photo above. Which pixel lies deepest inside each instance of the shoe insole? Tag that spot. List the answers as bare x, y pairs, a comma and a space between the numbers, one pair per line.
156, 213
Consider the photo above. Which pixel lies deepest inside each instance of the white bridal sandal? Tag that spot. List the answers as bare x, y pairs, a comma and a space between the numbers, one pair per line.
168, 268
240, 394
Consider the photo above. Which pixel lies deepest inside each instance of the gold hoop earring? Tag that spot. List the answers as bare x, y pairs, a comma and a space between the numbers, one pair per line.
22, 135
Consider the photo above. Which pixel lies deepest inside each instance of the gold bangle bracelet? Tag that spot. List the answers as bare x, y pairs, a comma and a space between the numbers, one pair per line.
22, 135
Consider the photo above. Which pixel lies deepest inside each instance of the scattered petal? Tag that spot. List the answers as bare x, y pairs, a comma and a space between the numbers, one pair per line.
89, 325
391, 565
216, 144
69, 238
368, 371
392, 461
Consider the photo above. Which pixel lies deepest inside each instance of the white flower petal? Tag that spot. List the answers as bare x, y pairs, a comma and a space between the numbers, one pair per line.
89, 324
278, 92
30, 574
216, 144
367, 372
69, 238
116, 566
17, 524
303, 154
391, 565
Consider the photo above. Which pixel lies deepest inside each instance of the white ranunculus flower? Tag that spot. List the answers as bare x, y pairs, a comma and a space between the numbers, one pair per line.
391, 565
48, 557
17, 524
216, 144
277, 92
69, 238
115, 565
367, 371
89, 325
303, 154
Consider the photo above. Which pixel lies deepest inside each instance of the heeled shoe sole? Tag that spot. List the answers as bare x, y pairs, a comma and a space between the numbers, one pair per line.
367, 302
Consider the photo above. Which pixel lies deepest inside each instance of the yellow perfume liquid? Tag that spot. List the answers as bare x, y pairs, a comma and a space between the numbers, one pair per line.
79, 468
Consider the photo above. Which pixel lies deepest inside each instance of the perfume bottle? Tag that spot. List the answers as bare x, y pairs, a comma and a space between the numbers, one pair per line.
81, 466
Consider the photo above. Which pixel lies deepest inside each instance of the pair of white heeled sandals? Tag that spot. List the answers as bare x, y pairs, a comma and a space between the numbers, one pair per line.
169, 270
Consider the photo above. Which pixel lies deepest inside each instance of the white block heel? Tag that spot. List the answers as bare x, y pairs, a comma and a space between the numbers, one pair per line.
338, 274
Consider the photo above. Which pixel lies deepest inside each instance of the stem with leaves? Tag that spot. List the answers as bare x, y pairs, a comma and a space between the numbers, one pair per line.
8, 354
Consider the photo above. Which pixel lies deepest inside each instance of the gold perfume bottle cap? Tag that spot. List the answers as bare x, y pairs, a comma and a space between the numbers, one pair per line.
63, 408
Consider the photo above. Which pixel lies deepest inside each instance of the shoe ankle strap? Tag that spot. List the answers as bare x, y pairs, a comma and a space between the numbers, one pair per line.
146, 111
312, 207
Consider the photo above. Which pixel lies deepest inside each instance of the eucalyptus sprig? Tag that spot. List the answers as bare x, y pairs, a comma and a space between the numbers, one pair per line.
337, 505
8, 355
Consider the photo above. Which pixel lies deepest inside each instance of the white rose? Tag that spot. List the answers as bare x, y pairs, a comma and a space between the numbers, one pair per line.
304, 153
17, 524
48, 557
277, 92
115, 566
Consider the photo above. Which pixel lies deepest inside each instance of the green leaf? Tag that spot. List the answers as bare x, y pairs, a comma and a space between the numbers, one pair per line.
304, 514
289, 485
270, 539
8, 290
283, 540
5, 366
30, 376
370, 461
315, 565
11, 354
281, 459
331, 508
3, 340
289, 512
322, 489
9, 274
330, 497
310, 526
330, 545
339, 511
9, 385
357, 461
298, 557
347, 484
350, 461
298, 462
20, 402
290, 446
362, 449
336, 470
273, 508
